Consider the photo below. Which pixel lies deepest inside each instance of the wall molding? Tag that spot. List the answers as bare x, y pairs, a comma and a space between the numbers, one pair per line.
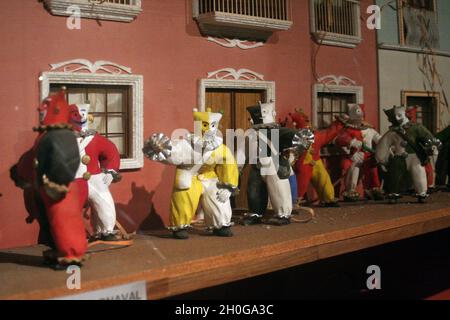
233, 74
236, 43
239, 80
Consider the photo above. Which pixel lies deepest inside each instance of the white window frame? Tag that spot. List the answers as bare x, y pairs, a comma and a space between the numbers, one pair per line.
336, 87
95, 9
336, 39
135, 82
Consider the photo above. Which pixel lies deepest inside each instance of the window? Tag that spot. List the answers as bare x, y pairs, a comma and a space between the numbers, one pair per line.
330, 105
336, 22
114, 10
427, 107
116, 97
110, 111
418, 23
242, 19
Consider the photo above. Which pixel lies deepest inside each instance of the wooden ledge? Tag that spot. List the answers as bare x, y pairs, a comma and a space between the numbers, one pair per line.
172, 267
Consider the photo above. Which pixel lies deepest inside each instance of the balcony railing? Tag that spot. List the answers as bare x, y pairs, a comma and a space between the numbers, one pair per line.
336, 22
248, 19
114, 10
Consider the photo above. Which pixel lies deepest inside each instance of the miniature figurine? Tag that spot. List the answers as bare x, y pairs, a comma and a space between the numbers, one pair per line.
357, 139
411, 113
406, 147
443, 162
207, 174
55, 162
268, 179
310, 168
100, 162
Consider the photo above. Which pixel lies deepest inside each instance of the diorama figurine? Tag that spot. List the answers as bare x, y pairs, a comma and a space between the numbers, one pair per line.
207, 174
404, 149
411, 113
443, 162
358, 139
268, 179
100, 162
309, 167
55, 160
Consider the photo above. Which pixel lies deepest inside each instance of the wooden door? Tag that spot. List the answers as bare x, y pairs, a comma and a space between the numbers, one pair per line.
233, 104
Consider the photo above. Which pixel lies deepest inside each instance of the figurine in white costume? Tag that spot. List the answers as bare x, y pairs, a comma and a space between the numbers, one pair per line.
271, 150
405, 148
207, 175
100, 162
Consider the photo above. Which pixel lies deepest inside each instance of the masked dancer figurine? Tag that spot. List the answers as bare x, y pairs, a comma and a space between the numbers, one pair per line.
411, 113
405, 148
358, 139
207, 175
270, 147
54, 161
310, 168
100, 162
443, 162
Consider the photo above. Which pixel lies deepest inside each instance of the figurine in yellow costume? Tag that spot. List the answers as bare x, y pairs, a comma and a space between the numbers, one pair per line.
207, 175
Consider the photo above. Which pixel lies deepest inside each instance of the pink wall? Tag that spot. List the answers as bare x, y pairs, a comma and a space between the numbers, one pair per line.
163, 45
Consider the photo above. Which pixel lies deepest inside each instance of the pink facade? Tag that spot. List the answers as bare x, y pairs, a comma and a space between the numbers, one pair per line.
163, 45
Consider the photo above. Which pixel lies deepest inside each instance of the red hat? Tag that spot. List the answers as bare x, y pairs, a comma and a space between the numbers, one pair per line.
300, 119
55, 109
411, 113
75, 117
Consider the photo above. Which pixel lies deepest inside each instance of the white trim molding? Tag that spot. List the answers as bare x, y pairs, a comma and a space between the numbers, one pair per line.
237, 81
236, 43
337, 39
241, 74
336, 84
135, 82
96, 9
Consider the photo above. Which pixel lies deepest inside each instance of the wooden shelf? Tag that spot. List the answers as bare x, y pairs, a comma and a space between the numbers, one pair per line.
172, 267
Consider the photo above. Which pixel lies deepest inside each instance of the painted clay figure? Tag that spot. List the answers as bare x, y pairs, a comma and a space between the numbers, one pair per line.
406, 147
55, 161
207, 175
358, 139
309, 168
100, 162
411, 113
268, 179
443, 162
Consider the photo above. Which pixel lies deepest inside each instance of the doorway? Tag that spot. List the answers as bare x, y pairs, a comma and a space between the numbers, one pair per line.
233, 104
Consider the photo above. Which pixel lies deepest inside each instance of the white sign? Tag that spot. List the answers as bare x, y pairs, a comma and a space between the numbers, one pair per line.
132, 291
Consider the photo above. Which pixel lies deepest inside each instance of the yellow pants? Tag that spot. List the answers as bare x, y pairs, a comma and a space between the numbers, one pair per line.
184, 204
321, 182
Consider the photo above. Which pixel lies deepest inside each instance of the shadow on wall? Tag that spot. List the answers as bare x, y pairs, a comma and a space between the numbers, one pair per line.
140, 202
22, 175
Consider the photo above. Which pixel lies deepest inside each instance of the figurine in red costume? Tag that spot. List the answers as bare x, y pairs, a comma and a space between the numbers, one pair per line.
100, 162
309, 168
54, 161
357, 139
411, 113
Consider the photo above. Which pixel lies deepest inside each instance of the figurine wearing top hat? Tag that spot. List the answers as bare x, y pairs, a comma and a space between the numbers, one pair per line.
270, 147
